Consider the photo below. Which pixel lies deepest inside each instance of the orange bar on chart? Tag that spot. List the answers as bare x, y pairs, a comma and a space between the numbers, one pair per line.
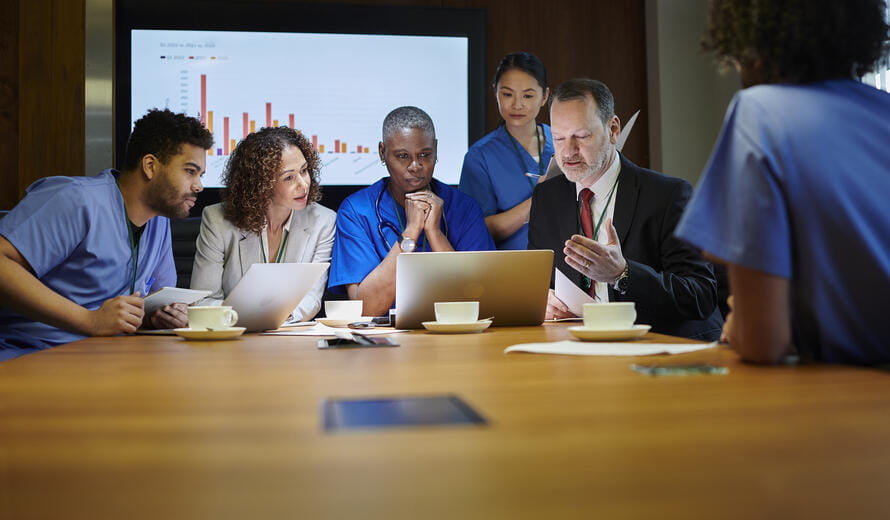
233, 145
321, 148
268, 114
274, 122
226, 136
245, 122
209, 125
343, 147
252, 125
366, 149
203, 99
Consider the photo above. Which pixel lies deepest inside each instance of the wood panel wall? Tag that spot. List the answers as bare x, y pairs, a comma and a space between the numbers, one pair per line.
42, 71
41, 93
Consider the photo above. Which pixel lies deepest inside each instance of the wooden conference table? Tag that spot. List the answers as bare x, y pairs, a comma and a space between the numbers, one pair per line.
160, 427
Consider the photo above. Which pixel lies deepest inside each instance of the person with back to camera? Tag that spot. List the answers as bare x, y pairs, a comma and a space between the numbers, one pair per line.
78, 253
404, 212
269, 213
794, 196
495, 170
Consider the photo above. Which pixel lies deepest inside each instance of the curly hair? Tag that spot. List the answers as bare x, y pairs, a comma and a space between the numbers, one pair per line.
798, 41
162, 134
252, 170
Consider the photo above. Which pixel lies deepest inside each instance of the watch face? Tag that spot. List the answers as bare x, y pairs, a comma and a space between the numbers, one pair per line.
407, 244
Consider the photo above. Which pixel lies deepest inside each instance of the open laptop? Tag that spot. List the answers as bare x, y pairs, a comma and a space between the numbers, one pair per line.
268, 293
509, 285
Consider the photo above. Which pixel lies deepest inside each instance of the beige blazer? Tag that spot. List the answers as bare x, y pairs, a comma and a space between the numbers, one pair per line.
225, 253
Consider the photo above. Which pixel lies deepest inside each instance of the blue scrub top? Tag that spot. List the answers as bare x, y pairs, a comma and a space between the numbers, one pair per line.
73, 232
494, 175
362, 241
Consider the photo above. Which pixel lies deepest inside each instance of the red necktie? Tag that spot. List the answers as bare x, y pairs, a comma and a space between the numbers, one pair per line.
587, 227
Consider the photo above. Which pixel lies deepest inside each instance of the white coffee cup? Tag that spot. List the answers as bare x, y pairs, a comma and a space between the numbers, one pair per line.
343, 309
215, 317
457, 312
609, 316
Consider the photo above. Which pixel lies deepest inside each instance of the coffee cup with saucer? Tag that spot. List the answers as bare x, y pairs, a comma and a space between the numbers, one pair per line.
209, 322
457, 318
609, 321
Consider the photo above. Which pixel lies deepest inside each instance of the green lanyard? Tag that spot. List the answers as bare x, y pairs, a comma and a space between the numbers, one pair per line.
134, 247
402, 225
281, 248
522, 160
586, 282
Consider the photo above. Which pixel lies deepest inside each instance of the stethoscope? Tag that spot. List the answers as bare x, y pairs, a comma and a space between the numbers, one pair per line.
386, 224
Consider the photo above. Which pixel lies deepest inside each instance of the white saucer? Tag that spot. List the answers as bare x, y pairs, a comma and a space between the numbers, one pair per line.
609, 335
342, 322
203, 334
457, 328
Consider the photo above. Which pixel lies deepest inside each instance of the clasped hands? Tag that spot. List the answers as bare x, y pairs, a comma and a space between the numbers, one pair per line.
423, 210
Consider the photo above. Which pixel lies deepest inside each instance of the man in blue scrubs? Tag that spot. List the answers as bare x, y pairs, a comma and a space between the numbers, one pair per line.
405, 212
78, 253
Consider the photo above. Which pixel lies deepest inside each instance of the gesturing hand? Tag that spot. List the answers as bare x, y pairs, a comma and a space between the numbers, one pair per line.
174, 316
599, 262
122, 314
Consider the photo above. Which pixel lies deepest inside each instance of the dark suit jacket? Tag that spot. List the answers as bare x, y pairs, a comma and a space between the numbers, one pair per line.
674, 289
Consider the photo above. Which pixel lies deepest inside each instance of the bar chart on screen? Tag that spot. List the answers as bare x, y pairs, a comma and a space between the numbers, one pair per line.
335, 88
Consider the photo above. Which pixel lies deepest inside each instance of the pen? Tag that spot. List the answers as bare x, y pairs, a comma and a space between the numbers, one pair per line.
148, 284
533, 175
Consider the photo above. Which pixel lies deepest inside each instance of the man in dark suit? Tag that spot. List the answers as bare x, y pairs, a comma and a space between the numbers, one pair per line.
637, 258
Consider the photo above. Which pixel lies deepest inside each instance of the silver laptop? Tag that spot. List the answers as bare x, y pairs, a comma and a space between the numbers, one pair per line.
509, 285
268, 293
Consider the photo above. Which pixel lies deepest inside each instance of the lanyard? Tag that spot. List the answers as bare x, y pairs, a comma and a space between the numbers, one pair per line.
585, 281
134, 247
281, 248
402, 226
522, 160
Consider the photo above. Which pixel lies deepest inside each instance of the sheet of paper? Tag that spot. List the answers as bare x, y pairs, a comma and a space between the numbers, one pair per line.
601, 348
323, 330
168, 295
569, 293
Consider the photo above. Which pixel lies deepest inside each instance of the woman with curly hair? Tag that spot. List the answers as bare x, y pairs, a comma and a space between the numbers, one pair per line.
269, 213
794, 197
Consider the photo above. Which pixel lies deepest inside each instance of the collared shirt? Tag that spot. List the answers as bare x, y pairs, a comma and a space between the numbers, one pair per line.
363, 239
601, 189
264, 239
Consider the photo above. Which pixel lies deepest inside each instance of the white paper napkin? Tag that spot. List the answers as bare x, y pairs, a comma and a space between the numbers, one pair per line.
600, 348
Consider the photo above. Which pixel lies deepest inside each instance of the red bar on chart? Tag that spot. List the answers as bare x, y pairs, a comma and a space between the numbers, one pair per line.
203, 99
290, 119
245, 123
226, 135
336, 145
315, 142
359, 149
268, 114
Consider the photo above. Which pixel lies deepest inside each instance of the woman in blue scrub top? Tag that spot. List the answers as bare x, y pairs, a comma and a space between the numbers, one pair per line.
501, 169
405, 212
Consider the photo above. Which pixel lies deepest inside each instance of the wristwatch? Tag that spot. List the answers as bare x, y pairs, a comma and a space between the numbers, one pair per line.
407, 244
620, 283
